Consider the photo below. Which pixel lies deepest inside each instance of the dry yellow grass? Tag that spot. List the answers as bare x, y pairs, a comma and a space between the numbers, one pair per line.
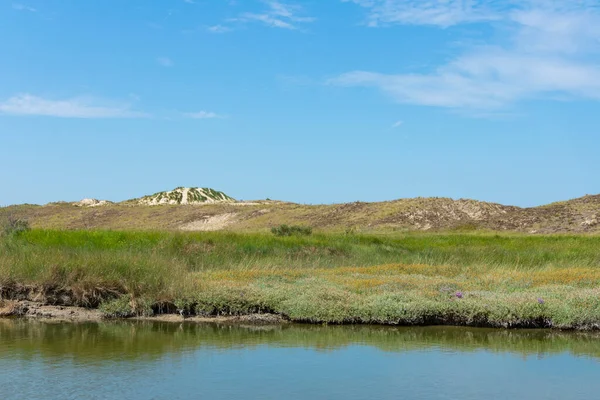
578, 215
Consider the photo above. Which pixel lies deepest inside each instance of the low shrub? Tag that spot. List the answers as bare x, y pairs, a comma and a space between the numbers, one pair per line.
286, 230
127, 306
12, 225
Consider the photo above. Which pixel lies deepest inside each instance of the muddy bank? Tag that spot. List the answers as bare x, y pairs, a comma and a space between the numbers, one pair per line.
40, 311
32, 309
255, 319
61, 313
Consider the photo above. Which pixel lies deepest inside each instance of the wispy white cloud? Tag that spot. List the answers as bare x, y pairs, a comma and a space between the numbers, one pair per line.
189, 1
165, 61
446, 13
574, 31
398, 124
23, 7
419, 12
277, 15
484, 81
218, 29
551, 52
203, 115
30, 105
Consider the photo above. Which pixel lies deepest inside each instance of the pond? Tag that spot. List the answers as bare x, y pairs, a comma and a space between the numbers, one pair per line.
150, 360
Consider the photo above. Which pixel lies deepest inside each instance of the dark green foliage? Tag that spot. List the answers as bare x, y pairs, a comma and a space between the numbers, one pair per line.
216, 195
286, 230
176, 196
195, 195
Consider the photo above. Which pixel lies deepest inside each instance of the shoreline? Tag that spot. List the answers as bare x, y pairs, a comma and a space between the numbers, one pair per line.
26, 309
38, 311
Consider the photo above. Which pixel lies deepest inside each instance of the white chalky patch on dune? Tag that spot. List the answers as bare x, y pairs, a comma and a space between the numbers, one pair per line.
184, 198
212, 223
207, 196
91, 203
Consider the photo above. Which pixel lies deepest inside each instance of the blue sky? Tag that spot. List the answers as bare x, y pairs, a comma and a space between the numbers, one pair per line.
308, 101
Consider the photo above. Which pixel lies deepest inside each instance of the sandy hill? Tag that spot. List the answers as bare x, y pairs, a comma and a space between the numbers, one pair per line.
184, 195
219, 211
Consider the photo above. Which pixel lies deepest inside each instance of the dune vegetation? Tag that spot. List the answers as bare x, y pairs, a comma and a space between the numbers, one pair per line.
507, 280
577, 216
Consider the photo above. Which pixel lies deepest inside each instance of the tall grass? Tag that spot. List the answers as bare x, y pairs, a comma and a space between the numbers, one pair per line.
497, 280
214, 250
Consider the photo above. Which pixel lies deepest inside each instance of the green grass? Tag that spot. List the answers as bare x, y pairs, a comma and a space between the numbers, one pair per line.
393, 278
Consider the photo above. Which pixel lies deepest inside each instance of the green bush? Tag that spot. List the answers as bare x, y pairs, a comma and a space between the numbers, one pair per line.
12, 225
126, 306
285, 230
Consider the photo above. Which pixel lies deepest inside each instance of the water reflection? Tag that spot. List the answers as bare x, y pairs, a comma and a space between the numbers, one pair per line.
143, 360
148, 340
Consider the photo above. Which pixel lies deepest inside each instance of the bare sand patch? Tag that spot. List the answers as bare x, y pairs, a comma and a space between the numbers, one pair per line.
92, 203
210, 223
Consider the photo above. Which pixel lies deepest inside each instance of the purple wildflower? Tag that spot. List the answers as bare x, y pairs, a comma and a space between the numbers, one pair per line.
541, 301
459, 295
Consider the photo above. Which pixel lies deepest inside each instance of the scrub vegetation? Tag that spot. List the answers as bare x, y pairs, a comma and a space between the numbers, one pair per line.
166, 211
507, 280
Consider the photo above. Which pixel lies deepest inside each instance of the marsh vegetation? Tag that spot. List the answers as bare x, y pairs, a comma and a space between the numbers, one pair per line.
464, 279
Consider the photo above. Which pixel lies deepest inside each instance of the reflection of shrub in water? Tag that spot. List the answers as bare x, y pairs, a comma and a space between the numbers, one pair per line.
133, 340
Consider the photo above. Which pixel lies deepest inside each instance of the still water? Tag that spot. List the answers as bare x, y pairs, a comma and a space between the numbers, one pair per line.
144, 360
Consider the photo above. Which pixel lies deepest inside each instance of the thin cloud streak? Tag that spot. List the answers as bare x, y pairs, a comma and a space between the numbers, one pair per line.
218, 29
484, 81
418, 12
277, 15
23, 7
30, 105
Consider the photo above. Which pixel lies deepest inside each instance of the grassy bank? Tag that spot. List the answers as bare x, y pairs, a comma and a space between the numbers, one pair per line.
464, 279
